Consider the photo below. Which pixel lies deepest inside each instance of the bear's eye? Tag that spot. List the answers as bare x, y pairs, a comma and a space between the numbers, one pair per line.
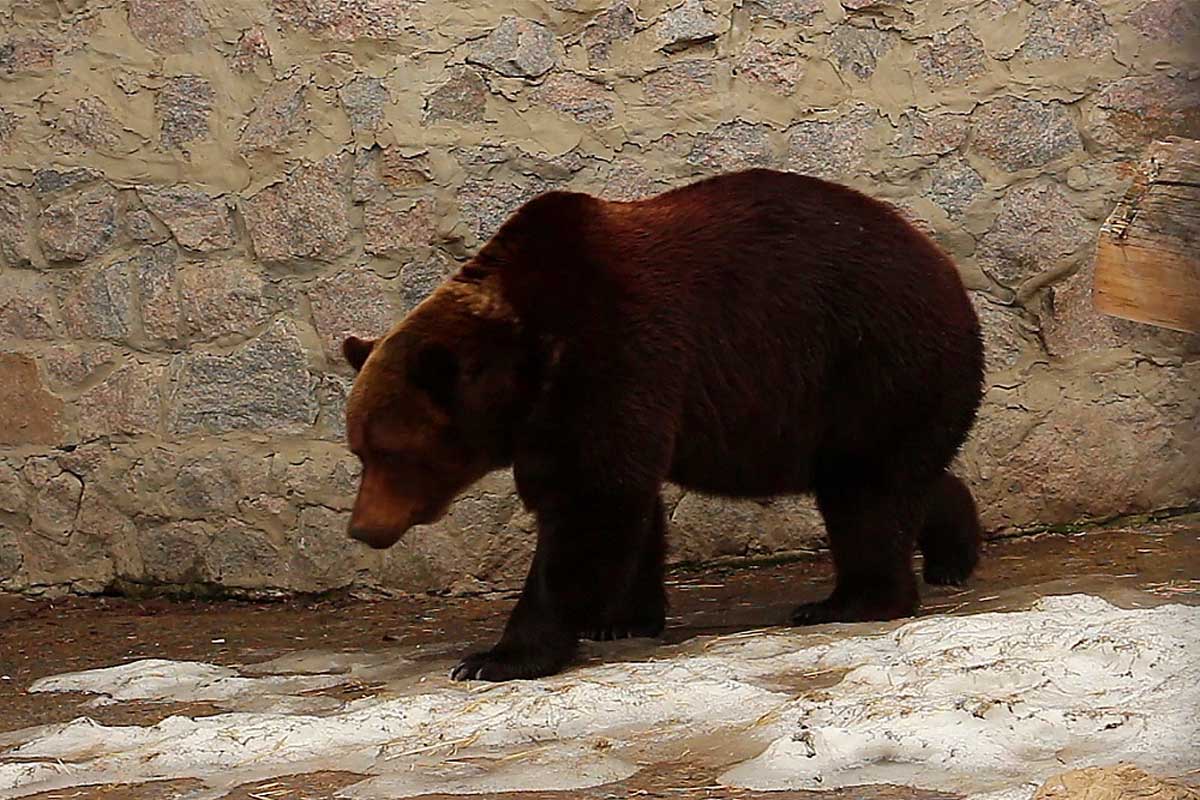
392, 458
405, 463
435, 371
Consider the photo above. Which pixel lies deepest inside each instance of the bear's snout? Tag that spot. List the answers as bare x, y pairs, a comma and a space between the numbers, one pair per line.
376, 538
382, 514
381, 526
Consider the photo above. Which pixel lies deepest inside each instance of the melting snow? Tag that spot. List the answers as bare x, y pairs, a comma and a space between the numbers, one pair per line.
987, 703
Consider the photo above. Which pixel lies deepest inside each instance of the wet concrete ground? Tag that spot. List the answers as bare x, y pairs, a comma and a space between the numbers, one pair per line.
1142, 564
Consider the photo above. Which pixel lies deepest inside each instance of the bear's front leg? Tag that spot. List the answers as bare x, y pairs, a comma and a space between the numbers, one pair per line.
532, 646
587, 559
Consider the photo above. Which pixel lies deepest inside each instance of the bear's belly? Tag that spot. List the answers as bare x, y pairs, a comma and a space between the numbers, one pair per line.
743, 466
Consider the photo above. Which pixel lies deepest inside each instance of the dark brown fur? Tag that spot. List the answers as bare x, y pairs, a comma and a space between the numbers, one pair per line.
754, 334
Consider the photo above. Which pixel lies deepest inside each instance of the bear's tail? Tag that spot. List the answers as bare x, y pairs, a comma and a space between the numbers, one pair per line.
951, 536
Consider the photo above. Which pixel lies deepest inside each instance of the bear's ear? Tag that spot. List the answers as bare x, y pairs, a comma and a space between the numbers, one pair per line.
356, 351
434, 370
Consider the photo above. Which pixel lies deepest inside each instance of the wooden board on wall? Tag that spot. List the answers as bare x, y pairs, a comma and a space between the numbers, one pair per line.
1148, 254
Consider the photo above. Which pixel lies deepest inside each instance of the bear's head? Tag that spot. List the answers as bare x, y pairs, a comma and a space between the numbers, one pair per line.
434, 406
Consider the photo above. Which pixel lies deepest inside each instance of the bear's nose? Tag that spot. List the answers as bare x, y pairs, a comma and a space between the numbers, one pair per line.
374, 537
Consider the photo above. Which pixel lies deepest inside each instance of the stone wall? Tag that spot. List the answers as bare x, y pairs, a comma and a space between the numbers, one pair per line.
199, 199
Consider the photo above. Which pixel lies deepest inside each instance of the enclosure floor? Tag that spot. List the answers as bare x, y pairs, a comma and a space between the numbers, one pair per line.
45, 637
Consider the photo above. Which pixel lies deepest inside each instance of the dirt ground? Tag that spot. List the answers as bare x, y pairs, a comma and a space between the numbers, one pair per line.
45, 637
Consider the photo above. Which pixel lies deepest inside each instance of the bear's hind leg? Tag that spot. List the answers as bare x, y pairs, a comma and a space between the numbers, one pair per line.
871, 530
950, 537
640, 611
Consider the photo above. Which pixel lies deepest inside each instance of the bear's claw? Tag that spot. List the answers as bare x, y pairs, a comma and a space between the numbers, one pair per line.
506, 665
608, 633
834, 609
815, 613
947, 574
644, 617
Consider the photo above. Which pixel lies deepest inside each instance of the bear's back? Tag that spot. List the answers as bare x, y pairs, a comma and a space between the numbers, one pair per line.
767, 260
781, 314
813, 316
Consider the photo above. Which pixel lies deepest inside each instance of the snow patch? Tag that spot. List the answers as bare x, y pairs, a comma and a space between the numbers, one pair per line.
989, 704
161, 681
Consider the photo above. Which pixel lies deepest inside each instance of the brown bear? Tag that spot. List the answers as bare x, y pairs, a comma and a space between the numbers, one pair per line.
753, 334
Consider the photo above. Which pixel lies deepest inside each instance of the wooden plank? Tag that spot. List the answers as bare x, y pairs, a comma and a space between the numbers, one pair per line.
1148, 254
